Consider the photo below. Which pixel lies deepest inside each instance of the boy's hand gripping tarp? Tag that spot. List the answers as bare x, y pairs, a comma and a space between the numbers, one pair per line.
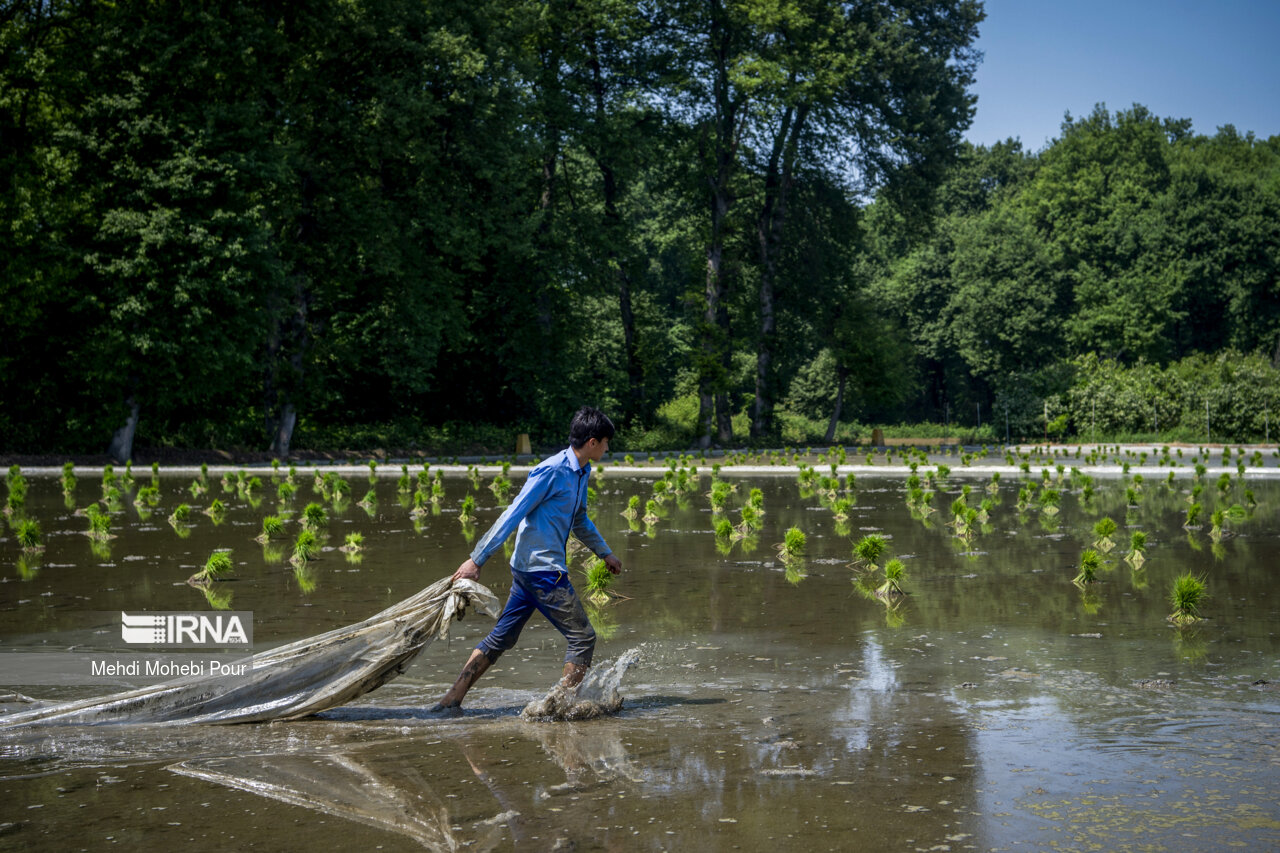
292, 681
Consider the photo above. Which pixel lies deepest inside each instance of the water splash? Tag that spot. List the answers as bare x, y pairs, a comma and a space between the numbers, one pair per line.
596, 696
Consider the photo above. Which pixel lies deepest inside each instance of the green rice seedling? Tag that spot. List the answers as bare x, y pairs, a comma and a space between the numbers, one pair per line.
792, 545
501, 487
179, 516
197, 488
420, 505
756, 500
1249, 498
353, 543
370, 499
750, 519
599, 579
894, 575
1049, 500
272, 525
1224, 482
285, 491
650, 511
468, 512
724, 528
150, 495
984, 510
16, 483
869, 549
99, 523
1215, 521
404, 485
339, 488
1104, 529
314, 517
841, 506
215, 568
305, 547
1024, 499
1193, 515
632, 511
1137, 549
437, 488
719, 495
1188, 593
1090, 562
29, 536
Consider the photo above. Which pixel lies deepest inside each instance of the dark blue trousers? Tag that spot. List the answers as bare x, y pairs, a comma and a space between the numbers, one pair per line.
553, 596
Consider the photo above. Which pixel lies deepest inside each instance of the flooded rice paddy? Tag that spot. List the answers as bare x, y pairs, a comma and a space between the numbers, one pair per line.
773, 705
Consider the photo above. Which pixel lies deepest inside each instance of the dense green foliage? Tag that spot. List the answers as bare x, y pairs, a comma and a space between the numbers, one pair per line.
395, 223
1118, 281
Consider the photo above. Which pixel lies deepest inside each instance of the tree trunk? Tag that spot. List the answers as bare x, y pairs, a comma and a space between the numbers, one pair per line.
778, 180
284, 431
842, 374
715, 344
121, 447
634, 402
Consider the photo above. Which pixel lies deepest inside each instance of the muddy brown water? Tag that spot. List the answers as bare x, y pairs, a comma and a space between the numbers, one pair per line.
997, 707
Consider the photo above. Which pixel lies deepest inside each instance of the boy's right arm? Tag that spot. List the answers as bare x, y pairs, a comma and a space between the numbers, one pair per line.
535, 488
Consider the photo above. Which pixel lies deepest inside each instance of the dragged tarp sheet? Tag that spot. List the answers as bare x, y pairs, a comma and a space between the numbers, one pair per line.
291, 681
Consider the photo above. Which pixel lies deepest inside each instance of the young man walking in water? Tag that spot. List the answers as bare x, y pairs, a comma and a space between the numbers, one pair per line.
552, 503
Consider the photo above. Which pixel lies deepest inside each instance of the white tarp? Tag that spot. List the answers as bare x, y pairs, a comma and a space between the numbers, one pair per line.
291, 681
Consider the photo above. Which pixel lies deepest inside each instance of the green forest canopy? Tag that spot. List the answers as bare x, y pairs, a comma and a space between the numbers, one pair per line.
275, 225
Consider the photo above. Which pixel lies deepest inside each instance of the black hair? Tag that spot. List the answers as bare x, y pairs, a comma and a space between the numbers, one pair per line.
588, 423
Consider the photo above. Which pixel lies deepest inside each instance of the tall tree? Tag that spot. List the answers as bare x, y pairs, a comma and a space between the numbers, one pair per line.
871, 94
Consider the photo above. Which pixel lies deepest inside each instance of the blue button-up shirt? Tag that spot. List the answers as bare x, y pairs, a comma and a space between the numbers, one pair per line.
552, 502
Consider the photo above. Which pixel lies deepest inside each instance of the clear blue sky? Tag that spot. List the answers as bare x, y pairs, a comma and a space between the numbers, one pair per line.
1215, 62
